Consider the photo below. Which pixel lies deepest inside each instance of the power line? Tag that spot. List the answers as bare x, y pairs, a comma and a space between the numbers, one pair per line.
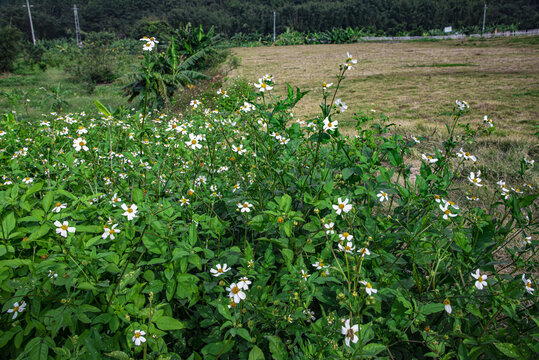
77, 27
31, 23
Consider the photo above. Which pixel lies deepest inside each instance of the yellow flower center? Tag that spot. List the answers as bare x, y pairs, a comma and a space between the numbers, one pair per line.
437, 196
64, 227
81, 127
111, 231
447, 212
219, 270
137, 335
129, 210
15, 309
363, 250
446, 302
235, 290
190, 193
263, 85
58, 204
369, 285
245, 205
341, 206
347, 248
81, 143
350, 333
321, 264
193, 142
480, 279
345, 234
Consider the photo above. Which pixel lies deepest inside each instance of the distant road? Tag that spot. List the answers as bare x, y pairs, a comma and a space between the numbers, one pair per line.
455, 36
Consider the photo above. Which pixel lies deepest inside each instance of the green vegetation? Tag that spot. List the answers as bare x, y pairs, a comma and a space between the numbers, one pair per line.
254, 19
239, 231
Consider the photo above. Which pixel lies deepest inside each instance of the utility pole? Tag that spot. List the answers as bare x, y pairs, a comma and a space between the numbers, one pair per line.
77, 27
274, 26
31, 23
484, 17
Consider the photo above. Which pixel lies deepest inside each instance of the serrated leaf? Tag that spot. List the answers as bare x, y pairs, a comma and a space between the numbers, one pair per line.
256, 354
373, 349
169, 323
119, 355
277, 347
508, 349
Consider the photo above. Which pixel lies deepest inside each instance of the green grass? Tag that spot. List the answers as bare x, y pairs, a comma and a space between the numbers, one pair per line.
440, 65
36, 86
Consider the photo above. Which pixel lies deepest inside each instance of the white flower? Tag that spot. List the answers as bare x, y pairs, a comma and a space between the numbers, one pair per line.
194, 103
239, 149
263, 86
350, 333
345, 236
130, 212
115, 199
330, 125
222, 92
58, 207
319, 265
382, 196
368, 288
342, 206
244, 283
480, 283
349, 247
184, 201
304, 275
349, 61
329, 228
462, 105
326, 86
28, 180
429, 159
110, 232
342, 106
220, 270
447, 306
528, 284
245, 207
527, 240
17, 309
138, 338
488, 121
80, 143
474, 179
364, 251
472, 198
63, 228
415, 139
236, 293
194, 141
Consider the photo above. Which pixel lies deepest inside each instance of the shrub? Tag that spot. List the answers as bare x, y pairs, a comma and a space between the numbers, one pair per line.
243, 232
10, 47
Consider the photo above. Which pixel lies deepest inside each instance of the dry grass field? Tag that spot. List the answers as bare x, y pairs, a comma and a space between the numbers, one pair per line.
416, 85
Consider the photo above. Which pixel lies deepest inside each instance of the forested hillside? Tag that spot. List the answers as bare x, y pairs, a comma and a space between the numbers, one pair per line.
54, 18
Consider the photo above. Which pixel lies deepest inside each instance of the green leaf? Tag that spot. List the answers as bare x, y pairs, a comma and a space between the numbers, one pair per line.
256, 354
462, 241
224, 311
508, 349
102, 108
288, 256
373, 349
346, 173
154, 244
285, 203
33, 189
8, 224
138, 196
47, 200
244, 334
119, 355
277, 347
431, 308
169, 323
40, 351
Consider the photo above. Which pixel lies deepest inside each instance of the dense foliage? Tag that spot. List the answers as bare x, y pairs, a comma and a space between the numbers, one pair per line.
10, 47
54, 18
236, 230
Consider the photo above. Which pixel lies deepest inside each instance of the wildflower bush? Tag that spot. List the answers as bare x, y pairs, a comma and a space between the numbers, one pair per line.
242, 232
